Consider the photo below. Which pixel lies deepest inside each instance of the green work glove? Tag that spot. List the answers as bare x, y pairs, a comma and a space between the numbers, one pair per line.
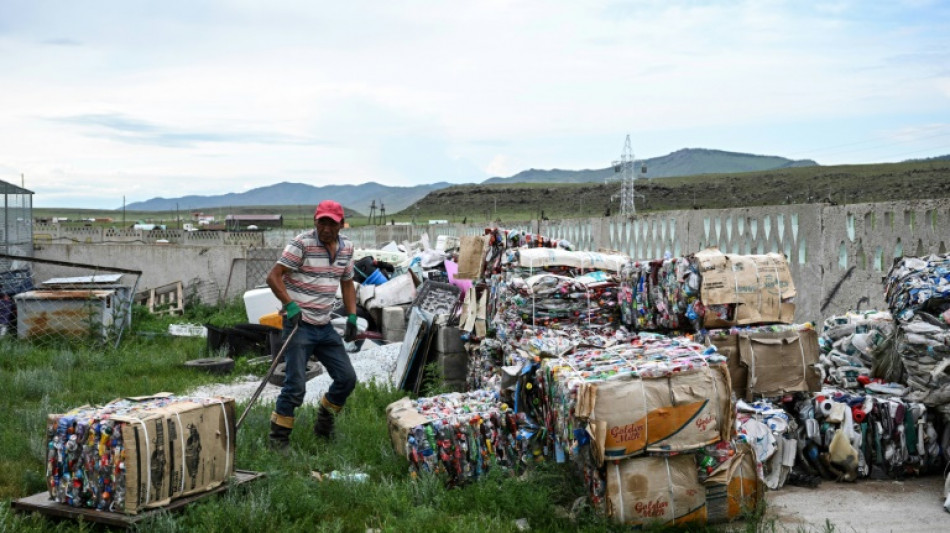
292, 313
349, 334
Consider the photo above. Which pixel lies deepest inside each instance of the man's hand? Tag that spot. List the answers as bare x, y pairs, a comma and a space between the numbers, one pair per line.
292, 313
349, 334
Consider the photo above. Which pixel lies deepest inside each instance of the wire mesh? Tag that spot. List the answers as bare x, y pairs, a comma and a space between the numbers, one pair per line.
260, 261
59, 302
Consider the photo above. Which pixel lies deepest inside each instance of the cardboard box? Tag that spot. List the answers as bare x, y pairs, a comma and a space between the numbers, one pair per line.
655, 490
760, 287
168, 446
682, 412
771, 363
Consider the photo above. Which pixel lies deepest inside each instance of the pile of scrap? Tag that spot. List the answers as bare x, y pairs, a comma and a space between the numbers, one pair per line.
690, 373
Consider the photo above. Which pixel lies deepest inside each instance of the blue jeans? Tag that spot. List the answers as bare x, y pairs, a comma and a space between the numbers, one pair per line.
326, 344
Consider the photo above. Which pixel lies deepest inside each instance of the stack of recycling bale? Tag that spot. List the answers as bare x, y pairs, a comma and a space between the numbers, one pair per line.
556, 289
659, 295
544, 313
139, 453
708, 289
530, 287
917, 291
841, 435
461, 436
658, 410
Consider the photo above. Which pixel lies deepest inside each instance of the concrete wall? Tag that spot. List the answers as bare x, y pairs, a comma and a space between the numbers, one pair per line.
838, 255
212, 273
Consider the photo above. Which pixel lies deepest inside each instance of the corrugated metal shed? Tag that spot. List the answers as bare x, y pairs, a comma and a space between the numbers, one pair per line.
67, 312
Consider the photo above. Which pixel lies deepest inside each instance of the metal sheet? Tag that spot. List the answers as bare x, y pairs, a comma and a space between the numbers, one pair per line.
98, 278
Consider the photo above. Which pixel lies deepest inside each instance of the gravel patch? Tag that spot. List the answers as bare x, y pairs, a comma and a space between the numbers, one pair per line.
372, 363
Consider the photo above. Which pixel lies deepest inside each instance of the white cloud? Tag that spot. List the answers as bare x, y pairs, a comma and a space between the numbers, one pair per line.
194, 99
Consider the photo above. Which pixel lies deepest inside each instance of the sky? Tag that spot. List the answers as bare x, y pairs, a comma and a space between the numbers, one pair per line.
111, 102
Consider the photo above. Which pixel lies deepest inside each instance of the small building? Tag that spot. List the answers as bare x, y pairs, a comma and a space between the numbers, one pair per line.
93, 306
239, 222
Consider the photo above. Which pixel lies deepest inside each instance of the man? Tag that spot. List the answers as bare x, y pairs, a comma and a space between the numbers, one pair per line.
305, 280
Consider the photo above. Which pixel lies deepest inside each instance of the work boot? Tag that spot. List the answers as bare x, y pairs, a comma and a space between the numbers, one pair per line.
323, 426
280, 429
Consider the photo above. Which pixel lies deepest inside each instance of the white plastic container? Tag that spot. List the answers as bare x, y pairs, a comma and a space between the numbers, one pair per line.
260, 302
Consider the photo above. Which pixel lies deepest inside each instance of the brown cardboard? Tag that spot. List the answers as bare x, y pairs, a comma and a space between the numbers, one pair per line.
759, 285
180, 449
472, 252
402, 417
780, 362
631, 415
728, 346
481, 314
734, 487
146, 462
655, 489
201, 444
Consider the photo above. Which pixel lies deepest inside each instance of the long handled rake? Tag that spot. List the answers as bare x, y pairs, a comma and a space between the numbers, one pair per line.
270, 372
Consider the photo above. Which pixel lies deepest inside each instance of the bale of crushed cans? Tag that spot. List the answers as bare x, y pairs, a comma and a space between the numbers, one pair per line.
718, 483
139, 453
461, 436
708, 289
655, 394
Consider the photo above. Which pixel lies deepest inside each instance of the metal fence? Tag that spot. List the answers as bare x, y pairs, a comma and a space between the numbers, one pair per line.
259, 262
77, 302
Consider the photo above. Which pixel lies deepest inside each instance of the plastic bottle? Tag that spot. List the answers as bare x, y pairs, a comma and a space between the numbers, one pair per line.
356, 477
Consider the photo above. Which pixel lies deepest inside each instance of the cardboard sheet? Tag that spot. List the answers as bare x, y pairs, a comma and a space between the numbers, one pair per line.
472, 251
662, 490
682, 412
759, 285
780, 362
178, 449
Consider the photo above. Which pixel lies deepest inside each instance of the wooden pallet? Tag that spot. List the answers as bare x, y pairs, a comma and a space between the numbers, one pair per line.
42, 504
167, 299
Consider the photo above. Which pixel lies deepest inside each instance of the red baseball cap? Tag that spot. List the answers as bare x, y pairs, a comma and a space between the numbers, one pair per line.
329, 209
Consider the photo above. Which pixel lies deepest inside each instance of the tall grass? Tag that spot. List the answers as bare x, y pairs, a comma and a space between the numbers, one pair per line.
42, 380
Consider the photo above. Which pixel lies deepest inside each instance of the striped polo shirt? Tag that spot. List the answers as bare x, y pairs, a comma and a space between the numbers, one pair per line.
315, 275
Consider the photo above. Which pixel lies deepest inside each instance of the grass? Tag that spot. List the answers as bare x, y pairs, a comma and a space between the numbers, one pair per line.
45, 379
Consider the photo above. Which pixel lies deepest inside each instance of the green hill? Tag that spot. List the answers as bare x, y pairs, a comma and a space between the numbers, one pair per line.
685, 162
844, 184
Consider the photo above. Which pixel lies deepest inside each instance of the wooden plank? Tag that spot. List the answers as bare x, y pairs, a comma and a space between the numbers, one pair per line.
41, 503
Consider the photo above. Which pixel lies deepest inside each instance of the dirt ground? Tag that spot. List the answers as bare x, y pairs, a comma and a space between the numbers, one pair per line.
911, 505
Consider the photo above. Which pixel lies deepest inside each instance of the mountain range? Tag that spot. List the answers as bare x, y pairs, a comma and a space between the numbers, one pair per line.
685, 162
